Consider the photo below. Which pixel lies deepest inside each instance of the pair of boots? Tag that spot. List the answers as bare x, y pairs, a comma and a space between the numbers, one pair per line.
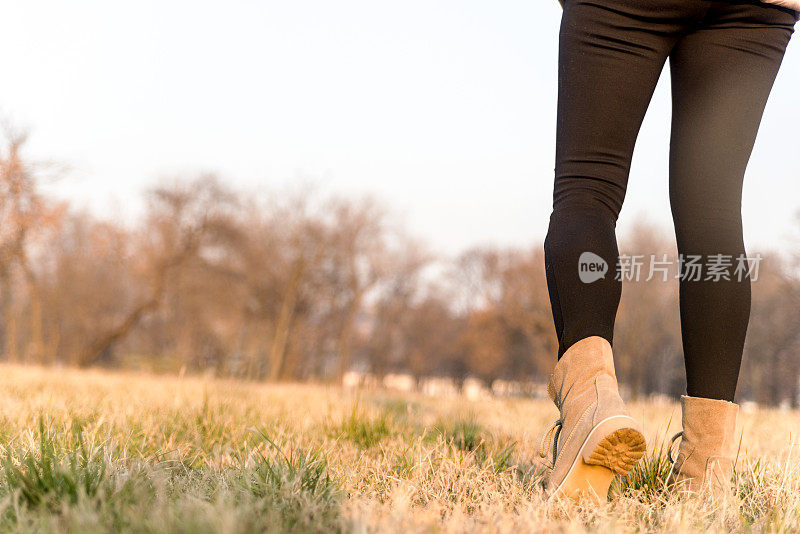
595, 438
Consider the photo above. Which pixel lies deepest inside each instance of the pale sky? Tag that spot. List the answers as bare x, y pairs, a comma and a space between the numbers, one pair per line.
443, 109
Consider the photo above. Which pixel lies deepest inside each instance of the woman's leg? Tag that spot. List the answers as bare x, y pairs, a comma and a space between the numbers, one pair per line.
611, 54
722, 73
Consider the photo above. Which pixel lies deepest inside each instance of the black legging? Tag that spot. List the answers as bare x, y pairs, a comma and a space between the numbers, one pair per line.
724, 57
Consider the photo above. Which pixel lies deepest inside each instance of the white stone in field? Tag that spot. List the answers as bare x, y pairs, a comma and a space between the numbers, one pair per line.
352, 379
399, 382
439, 387
474, 389
748, 406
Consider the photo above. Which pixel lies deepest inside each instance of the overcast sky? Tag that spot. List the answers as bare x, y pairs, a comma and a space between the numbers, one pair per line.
445, 109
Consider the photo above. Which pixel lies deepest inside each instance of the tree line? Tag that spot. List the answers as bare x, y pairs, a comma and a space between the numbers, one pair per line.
294, 285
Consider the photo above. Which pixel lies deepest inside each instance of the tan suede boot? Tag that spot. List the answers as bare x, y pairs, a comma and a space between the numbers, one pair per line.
708, 446
595, 437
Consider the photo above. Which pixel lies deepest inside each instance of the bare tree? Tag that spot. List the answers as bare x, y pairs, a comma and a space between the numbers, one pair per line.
24, 215
180, 222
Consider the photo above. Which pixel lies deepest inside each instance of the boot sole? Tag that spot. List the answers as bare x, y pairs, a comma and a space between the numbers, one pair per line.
610, 449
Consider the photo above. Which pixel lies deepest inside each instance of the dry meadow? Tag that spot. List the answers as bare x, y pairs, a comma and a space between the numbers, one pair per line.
113, 451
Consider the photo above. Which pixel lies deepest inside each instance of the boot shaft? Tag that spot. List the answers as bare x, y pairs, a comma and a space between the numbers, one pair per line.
579, 367
708, 445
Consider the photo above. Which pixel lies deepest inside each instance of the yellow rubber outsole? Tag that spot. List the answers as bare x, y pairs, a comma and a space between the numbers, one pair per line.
591, 478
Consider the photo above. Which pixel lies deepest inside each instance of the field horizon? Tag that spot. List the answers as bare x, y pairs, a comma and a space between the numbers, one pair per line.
126, 451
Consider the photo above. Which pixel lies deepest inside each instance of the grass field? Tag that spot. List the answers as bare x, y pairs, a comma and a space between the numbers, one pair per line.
96, 451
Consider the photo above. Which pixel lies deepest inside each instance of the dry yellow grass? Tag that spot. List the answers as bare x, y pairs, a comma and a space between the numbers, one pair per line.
123, 451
